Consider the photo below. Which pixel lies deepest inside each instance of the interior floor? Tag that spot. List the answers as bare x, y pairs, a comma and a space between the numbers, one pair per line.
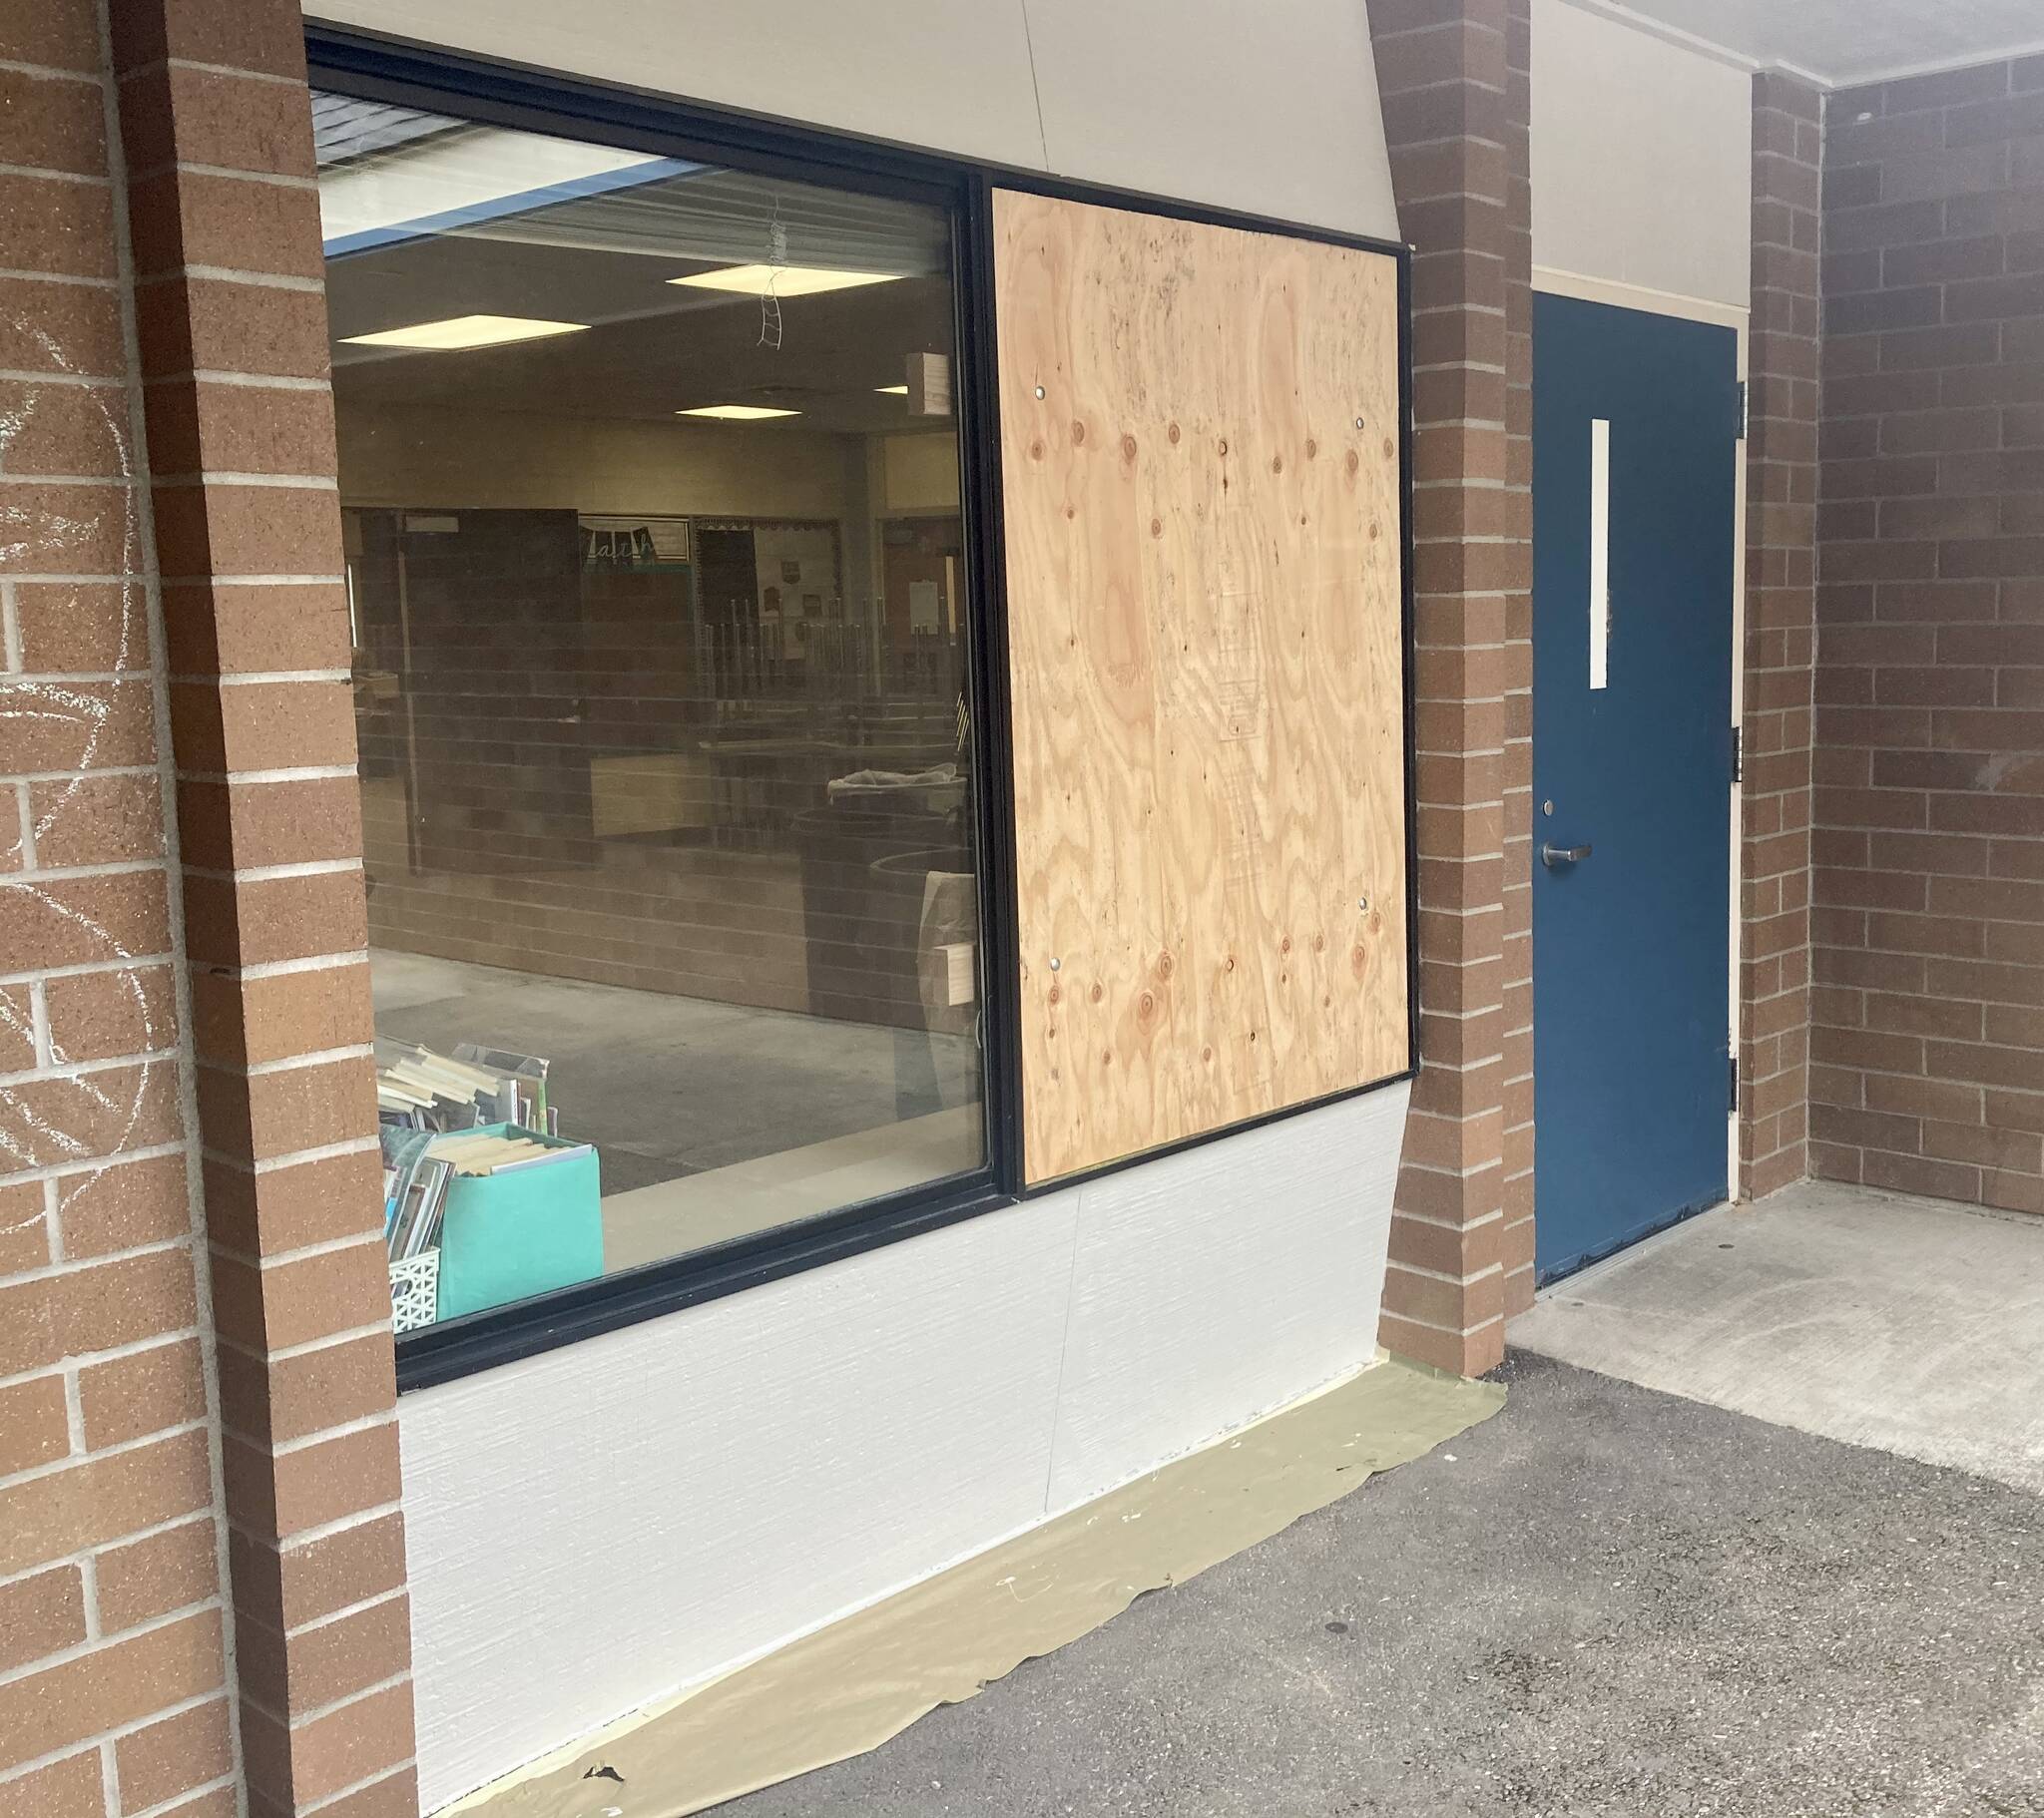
669, 1088
1909, 1324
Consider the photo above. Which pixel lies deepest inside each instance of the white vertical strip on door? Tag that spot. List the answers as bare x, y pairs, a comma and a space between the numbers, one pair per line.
1600, 550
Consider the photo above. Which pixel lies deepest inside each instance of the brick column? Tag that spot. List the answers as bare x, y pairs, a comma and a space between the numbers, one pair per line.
1448, 102
1780, 601
114, 1634
1517, 782
216, 124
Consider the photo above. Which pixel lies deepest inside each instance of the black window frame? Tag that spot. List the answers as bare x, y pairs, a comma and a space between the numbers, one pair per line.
526, 98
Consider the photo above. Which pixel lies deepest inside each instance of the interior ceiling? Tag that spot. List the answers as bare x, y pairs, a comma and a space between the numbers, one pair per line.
654, 348
605, 259
1844, 42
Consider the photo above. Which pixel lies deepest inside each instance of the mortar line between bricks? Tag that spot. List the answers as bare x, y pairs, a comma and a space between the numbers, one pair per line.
309, 1537
79, 1556
80, 1650
329, 1617
407, 1765
92, 1745
183, 1801
36, 1473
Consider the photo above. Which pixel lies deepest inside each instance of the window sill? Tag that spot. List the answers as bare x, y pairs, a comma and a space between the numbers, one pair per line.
501, 1335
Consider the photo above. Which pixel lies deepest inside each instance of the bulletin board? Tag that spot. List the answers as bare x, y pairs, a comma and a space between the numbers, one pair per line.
1201, 493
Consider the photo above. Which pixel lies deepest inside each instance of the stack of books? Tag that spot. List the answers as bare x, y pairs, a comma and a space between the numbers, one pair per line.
431, 1107
414, 1194
419, 1167
484, 1152
417, 1089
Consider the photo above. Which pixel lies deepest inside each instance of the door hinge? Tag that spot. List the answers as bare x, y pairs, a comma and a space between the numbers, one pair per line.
1738, 753
1731, 1083
1740, 418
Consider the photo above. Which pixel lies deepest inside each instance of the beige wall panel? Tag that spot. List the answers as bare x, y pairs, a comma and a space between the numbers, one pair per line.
1204, 608
1642, 158
947, 73
1269, 108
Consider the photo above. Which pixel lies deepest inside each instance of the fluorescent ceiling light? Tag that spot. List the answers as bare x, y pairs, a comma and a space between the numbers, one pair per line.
890, 392
737, 413
783, 280
459, 331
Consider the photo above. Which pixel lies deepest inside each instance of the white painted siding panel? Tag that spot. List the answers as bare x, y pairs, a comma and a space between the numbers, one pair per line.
1642, 155
596, 1527
1212, 1286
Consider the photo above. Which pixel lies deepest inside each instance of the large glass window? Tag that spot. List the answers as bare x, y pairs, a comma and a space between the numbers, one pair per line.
650, 484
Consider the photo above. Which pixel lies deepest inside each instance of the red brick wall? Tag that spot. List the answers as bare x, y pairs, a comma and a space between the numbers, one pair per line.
228, 269
1454, 93
202, 1569
1927, 1040
1781, 583
114, 1692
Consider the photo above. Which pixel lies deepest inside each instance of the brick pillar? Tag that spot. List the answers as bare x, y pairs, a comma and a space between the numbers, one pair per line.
1517, 788
1780, 598
1448, 102
216, 124
113, 1626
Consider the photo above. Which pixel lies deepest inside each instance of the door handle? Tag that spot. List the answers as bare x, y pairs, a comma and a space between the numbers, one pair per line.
1552, 855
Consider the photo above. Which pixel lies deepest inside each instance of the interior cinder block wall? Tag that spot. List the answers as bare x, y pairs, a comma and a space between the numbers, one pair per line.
1927, 1017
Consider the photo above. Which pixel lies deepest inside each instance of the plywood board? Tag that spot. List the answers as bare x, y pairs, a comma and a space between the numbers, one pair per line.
1202, 494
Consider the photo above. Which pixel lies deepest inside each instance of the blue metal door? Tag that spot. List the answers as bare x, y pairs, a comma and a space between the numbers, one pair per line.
1636, 418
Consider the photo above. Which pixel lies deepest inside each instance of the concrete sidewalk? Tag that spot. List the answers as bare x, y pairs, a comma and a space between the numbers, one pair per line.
1603, 1601
1913, 1325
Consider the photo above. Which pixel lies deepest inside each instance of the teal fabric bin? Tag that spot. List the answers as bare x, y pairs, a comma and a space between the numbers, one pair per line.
504, 1236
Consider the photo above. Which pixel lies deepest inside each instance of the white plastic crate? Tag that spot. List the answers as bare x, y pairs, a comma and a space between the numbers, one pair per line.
415, 1291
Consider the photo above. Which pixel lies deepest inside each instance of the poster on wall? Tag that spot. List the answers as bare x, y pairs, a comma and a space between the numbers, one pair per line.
796, 567
634, 542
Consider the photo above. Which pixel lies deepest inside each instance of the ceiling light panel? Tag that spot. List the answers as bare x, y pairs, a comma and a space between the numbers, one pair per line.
737, 413
782, 280
458, 333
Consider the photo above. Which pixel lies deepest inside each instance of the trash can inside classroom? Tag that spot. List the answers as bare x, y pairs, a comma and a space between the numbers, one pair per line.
900, 884
857, 922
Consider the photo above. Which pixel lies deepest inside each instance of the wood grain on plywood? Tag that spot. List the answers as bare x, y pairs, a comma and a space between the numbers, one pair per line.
1199, 448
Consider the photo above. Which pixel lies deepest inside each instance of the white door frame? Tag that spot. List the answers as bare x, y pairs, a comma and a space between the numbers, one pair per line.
1723, 315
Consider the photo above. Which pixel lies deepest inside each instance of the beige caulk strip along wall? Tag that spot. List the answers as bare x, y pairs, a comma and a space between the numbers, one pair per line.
851, 1686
